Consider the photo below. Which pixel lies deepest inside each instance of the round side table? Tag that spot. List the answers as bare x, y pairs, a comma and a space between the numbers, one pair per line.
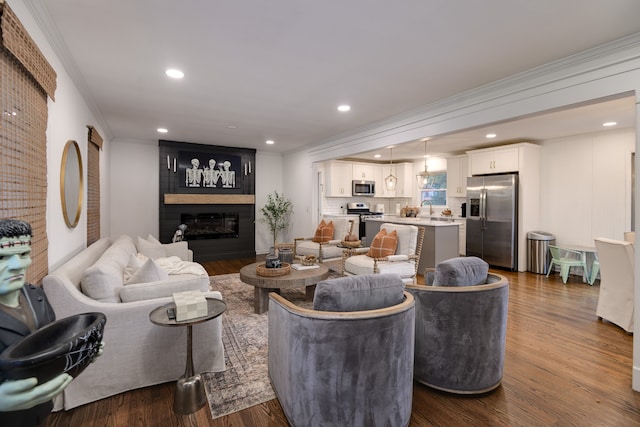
190, 394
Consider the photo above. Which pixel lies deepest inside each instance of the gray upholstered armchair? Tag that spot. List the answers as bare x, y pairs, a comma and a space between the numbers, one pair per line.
349, 360
461, 326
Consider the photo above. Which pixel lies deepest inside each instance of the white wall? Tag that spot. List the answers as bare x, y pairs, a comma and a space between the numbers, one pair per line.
269, 178
135, 202
68, 118
586, 186
134, 189
300, 185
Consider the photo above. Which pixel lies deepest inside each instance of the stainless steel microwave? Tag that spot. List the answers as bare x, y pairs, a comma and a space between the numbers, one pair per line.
363, 188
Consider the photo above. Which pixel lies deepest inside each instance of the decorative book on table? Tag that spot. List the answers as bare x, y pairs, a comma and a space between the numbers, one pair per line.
304, 267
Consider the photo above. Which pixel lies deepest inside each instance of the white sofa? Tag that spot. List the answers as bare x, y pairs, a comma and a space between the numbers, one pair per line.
137, 353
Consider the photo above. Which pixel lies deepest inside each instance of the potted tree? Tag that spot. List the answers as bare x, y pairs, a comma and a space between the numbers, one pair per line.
276, 213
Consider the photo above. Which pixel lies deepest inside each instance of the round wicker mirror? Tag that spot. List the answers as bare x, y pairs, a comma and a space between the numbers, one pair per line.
71, 183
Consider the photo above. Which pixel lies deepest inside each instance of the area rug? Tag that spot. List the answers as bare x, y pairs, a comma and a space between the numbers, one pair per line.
245, 382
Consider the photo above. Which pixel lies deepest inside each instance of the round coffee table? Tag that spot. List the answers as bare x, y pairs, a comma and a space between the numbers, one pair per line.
294, 279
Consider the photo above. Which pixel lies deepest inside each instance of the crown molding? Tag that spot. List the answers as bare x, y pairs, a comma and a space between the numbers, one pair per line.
603, 61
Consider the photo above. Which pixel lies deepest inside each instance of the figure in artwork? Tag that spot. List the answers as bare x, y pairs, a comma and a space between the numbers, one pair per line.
194, 174
228, 176
211, 174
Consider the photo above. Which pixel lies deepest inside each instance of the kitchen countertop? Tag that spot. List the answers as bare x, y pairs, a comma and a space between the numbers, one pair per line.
434, 221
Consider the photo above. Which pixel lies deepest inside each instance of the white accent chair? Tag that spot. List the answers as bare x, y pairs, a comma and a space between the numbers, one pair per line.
327, 251
404, 263
615, 301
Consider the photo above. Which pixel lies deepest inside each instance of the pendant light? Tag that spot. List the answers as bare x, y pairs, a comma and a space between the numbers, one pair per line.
423, 177
391, 180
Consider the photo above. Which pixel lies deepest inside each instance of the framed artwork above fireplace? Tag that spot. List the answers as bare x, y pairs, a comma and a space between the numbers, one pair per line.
208, 170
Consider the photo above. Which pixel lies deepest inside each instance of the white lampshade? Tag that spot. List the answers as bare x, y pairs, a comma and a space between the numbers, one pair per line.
390, 182
422, 179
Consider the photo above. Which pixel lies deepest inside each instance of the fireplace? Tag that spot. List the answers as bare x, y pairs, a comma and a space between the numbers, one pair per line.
218, 225
220, 212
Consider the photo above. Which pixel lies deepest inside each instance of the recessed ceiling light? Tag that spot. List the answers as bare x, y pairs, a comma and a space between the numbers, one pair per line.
270, 142
231, 127
490, 135
162, 130
607, 124
174, 74
377, 156
344, 108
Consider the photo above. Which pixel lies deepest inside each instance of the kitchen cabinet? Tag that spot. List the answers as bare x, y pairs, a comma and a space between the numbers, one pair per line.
494, 160
364, 171
523, 158
406, 180
404, 185
457, 172
338, 177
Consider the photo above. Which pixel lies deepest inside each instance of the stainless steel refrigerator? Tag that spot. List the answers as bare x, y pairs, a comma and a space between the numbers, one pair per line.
492, 219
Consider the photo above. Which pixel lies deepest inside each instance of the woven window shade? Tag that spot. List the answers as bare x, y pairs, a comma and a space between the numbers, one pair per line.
25, 80
93, 186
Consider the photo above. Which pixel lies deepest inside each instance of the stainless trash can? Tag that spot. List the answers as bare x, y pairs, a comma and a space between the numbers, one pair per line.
538, 256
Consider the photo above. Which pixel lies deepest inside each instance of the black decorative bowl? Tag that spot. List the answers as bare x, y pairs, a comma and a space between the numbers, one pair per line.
66, 345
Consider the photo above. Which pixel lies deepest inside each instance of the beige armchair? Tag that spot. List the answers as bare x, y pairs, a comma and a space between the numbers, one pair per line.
324, 251
615, 301
404, 262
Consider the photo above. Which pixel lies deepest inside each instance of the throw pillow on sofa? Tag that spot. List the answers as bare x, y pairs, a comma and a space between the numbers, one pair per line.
103, 280
135, 262
150, 271
150, 249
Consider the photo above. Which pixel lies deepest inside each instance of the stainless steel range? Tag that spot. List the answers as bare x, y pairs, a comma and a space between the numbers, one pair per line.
362, 209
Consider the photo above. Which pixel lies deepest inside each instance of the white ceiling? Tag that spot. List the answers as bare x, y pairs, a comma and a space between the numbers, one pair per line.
258, 70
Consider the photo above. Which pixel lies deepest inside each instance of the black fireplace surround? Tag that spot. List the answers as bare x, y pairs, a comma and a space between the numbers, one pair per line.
214, 231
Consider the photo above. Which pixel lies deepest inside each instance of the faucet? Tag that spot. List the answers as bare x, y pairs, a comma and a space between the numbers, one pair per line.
430, 206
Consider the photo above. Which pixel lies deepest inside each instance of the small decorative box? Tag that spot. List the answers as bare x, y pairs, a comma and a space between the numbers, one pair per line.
189, 305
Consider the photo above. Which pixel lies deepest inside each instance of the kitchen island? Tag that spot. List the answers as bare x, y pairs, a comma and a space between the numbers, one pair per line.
440, 237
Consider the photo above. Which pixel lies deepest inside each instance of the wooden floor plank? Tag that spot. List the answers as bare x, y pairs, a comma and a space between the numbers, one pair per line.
563, 366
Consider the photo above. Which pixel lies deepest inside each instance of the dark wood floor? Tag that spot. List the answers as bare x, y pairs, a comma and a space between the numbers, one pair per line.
563, 367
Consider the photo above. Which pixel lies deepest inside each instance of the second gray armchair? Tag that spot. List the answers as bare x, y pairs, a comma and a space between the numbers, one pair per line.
461, 327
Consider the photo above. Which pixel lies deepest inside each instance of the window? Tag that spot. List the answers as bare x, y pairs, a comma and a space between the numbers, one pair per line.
436, 191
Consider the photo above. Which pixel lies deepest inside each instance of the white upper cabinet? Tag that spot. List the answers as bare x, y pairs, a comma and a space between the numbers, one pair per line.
406, 180
338, 176
364, 171
457, 168
493, 160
